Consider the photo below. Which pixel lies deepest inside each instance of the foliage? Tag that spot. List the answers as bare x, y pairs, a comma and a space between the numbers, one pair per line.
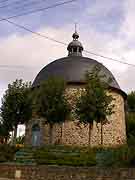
131, 101
62, 155
4, 133
118, 157
94, 104
7, 153
76, 156
20, 140
131, 124
51, 102
131, 119
16, 105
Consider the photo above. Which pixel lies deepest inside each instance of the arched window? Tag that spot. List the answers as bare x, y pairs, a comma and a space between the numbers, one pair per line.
36, 135
75, 49
35, 127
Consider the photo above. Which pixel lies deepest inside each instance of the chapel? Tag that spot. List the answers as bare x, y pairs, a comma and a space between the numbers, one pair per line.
73, 68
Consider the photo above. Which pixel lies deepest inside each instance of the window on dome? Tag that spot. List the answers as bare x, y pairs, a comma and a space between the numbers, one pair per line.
75, 49
80, 50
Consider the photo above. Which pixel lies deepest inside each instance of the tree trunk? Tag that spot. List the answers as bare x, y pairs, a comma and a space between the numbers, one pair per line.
51, 134
101, 133
90, 128
6, 139
12, 137
61, 132
15, 135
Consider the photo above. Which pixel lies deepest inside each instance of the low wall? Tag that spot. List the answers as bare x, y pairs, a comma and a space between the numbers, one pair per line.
65, 173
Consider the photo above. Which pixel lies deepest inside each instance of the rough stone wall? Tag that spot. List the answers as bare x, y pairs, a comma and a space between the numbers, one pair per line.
44, 128
114, 130
72, 133
65, 173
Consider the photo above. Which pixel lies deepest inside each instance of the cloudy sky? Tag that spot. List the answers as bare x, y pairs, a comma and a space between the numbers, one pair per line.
106, 27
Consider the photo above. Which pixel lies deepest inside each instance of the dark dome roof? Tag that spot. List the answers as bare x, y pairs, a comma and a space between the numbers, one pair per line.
72, 69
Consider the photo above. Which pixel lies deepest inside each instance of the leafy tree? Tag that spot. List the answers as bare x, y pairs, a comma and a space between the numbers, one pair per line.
131, 101
94, 104
4, 133
131, 118
51, 102
16, 105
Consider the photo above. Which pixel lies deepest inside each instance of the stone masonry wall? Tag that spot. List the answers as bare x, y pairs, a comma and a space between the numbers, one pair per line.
64, 173
72, 133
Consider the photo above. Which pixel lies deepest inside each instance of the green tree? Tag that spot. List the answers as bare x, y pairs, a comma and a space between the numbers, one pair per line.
94, 104
131, 118
51, 102
4, 133
16, 105
131, 101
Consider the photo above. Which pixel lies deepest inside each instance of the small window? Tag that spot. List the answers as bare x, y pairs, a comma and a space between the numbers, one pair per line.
75, 49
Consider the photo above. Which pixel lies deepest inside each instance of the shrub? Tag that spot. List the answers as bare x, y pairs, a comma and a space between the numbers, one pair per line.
118, 157
61, 155
7, 153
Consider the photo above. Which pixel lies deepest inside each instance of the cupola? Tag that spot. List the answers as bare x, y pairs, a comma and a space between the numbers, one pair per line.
75, 48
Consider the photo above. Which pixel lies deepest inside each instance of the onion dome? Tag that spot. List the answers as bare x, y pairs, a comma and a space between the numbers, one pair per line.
75, 48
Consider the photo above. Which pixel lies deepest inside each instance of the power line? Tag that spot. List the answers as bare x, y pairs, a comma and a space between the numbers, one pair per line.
52, 39
36, 33
106, 57
60, 42
10, 4
52, 6
4, 1
30, 3
18, 2
39, 10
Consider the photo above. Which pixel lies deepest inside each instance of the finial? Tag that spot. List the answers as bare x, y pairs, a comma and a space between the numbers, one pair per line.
75, 35
75, 27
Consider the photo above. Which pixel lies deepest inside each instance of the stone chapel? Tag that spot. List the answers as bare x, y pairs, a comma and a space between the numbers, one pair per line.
72, 68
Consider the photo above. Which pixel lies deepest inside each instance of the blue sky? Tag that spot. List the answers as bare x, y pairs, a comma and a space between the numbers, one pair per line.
89, 13
106, 27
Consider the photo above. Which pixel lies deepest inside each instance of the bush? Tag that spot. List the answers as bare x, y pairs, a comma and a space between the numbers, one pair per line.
7, 153
118, 157
62, 155
74, 156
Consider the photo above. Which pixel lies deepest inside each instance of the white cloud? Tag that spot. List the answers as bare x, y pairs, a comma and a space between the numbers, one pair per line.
101, 8
29, 51
128, 26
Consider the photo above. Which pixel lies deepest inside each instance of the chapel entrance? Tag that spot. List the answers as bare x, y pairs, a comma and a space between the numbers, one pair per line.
36, 135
